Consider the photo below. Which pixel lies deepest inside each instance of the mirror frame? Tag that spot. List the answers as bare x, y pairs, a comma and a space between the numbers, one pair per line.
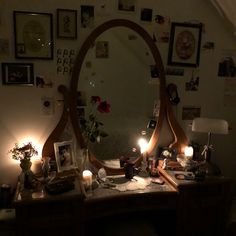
70, 98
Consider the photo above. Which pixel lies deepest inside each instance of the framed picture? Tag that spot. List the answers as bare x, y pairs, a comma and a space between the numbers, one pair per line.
33, 35
64, 153
87, 16
185, 42
66, 24
17, 74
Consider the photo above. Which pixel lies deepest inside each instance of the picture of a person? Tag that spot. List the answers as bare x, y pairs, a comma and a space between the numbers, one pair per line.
65, 156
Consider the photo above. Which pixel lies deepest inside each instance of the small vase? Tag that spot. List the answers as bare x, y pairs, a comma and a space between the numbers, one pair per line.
26, 176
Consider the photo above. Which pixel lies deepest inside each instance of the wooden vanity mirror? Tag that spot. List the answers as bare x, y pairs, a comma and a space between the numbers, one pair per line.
133, 33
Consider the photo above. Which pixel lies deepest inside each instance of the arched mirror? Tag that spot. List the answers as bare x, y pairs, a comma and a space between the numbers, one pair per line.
120, 69
116, 62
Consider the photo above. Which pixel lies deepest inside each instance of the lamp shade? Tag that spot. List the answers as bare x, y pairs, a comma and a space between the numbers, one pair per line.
208, 125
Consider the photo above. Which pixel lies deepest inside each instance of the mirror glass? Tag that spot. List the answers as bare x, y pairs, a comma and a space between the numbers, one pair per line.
119, 69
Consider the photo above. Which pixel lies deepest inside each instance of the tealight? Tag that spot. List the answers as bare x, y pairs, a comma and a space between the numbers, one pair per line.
87, 176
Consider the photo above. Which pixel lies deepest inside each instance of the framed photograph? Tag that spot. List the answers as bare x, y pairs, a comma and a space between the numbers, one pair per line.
64, 153
66, 24
185, 43
87, 16
33, 35
102, 49
17, 74
189, 112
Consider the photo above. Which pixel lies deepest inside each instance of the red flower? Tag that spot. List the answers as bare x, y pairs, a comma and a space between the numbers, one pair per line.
95, 99
104, 107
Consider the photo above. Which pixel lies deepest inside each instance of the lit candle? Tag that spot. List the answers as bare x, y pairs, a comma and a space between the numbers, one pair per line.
188, 152
87, 178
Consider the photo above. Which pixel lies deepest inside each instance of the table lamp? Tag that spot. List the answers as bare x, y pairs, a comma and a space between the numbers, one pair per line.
210, 126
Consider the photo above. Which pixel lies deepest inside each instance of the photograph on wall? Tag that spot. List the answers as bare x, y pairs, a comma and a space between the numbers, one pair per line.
87, 16
208, 45
184, 45
66, 24
226, 66
127, 5
102, 49
193, 83
64, 153
146, 15
17, 74
174, 71
190, 112
162, 25
33, 35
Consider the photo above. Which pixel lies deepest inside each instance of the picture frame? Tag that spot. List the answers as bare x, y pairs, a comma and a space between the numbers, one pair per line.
17, 74
33, 33
185, 44
66, 24
64, 154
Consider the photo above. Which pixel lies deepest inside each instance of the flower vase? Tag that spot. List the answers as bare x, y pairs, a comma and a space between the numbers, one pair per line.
26, 176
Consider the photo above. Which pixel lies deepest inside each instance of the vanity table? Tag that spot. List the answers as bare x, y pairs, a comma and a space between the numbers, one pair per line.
203, 205
192, 208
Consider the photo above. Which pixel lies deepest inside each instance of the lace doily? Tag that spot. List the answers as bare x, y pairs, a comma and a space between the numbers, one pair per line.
134, 184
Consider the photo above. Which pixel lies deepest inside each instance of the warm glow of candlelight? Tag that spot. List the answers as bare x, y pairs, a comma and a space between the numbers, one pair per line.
143, 144
188, 151
87, 177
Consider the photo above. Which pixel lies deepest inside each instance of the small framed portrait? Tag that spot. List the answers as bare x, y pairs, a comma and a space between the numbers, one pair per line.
66, 24
146, 14
64, 153
87, 16
33, 35
102, 49
185, 43
17, 74
190, 112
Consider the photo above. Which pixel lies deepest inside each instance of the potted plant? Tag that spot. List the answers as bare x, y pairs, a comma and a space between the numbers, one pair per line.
24, 154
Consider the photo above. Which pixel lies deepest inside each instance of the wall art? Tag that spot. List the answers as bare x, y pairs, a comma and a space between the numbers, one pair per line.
87, 16
184, 45
17, 74
66, 24
33, 35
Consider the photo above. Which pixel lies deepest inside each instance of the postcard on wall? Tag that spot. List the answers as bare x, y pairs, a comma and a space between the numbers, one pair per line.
193, 83
102, 49
227, 64
161, 28
190, 112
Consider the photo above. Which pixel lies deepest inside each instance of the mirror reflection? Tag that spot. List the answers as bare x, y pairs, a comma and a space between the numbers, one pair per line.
118, 68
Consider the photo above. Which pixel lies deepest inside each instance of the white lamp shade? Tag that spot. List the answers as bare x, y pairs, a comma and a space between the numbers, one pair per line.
207, 125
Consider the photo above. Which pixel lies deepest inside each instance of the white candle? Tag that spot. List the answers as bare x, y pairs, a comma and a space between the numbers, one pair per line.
87, 178
188, 152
